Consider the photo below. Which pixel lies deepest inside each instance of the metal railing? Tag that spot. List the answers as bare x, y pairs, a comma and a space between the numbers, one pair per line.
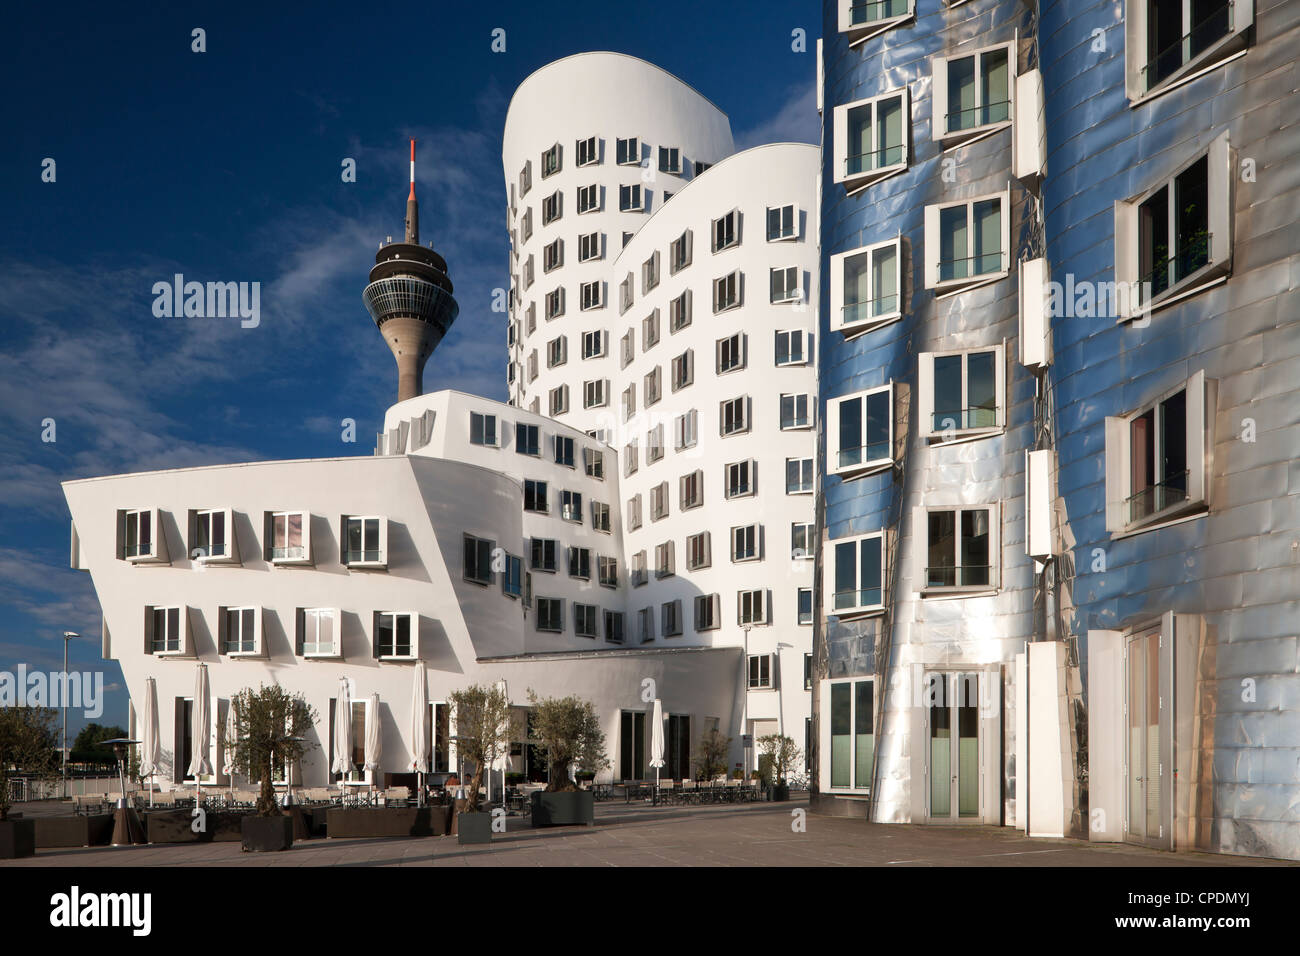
873, 451
1157, 497
976, 116
863, 12
882, 158
1178, 54
863, 597
361, 556
978, 416
1196, 252
854, 312
957, 576
971, 266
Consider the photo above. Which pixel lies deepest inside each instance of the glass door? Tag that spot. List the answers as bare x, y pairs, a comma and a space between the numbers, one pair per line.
1143, 766
953, 732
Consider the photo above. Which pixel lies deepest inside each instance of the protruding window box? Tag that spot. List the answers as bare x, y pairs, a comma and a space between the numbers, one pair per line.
212, 537
317, 633
973, 94
1162, 52
140, 540
861, 433
968, 243
866, 288
288, 538
239, 632
962, 394
957, 550
396, 636
861, 20
167, 632
857, 575
365, 542
871, 139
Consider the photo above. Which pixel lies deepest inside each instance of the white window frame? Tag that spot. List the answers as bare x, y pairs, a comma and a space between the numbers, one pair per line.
591, 295
553, 208
229, 546
724, 232
311, 649
799, 489
414, 621
858, 323
595, 393
686, 430
728, 292
804, 339
581, 613
1241, 15
837, 465
157, 553
670, 160
650, 273
939, 65
181, 638
713, 620
557, 351
552, 604
586, 152
784, 232
650, 331
629, 148
555, 303
783, 285
690, 490
760, 611
631, 197
595, 344
877, 17
223, 631
381, 560
558, 399
796, 423
741, 423
748, 468
857, 787
679, 253
855, 607
735, 348
925, 395
679, 312
683, 370
850, 171
933, 244
552, 255
552, 160
588, 199
699, 551
589, 247
921, 550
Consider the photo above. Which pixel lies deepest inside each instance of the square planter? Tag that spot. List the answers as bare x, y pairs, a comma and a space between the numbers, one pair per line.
473, 828
575, 808
266, 834
174, 826
17, 839
780, 792
93, 830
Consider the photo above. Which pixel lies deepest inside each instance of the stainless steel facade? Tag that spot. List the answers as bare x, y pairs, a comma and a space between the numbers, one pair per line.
1232, 572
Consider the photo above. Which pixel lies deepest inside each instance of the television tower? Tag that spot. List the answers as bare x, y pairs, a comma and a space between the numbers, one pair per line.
410, 299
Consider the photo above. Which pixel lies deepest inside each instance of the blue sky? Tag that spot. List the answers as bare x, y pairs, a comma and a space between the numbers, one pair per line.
225, 166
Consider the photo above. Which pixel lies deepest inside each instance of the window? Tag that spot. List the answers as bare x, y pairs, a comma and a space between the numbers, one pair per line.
665, 564
751, 607
796, 411
707, 613
571, 506
535, 496
1167, 43
683, 369
629, 402
530, 316
591, 295
857, 571
679, 253
527, 439
699, 551
627, 237
1156, 459
670, 160
512, 576
805, 616
478, 559
645, 625
866, 288
588, 152
634, 512
630, 459
528, 271
670, 618
701, 167
628, 151
559, 400
686, 430
580, 563
138, 541
1176, 238
650, 331
726, 292
871, 138
318, 632
564, 450
600, 516
967, 241
798, 476
637, 576
973, 92
784, 284
653, 386
554, 303
552, 256
654, 444
212, 535
526, 225
793, 347
691, 489
741, 478
532, 369
650, 273
593, 460
551, 161
731, 353
679, 312
614, 627
627, 349
608, 569
289, 537
595, 394
960, 547
594, 344
526, 178
659, 501
365, 541
961, 392
588, 198
860, 433
745, 543
862, 19
629, 198
482, 429
733, 416
760, 671
782, 223
240, 631
848, 742
550, 614
726, 231
165, 630
552, 208
584, 620
396, 635
543, 554
589, 247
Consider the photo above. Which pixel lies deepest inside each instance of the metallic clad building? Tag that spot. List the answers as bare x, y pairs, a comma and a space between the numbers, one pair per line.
1080, 614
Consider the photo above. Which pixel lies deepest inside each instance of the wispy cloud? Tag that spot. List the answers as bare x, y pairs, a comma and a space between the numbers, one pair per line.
795, 122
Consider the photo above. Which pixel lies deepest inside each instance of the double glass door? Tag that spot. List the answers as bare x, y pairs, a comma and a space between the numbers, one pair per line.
1144, 761
953, 739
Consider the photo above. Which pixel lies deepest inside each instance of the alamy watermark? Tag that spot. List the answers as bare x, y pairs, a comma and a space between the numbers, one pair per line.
82, 690
210, 300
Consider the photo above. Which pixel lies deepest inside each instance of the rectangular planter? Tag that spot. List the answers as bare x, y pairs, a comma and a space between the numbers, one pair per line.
93, 830
172, 826
473, 828
358, 822
17, 839
266, 834
576, 808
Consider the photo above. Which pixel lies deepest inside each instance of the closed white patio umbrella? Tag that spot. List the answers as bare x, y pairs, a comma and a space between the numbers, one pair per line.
232, 738
150, 743
374, 749
657, 742
419, 729
343, 733
502, 760
200, 732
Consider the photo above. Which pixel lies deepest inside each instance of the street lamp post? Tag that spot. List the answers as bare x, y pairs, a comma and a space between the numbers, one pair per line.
744, 707
780, 699
63, 700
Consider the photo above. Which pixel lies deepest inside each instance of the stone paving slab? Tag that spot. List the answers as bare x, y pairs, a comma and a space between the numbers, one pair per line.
757, 834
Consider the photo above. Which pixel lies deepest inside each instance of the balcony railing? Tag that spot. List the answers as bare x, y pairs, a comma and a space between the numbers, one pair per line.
872, 451
976, 116
957, 576
1182, 51
362, 556
863, 597
971, 266
1158, 497
979, 416
855, 312
865, 12
294, 553
1195, 253
883, 158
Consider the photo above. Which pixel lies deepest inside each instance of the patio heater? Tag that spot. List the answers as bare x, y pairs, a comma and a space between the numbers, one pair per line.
288, 773
126, 830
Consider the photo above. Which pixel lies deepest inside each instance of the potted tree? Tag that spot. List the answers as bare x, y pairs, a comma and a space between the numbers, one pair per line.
710, 759
779, 755
271, 727
27, 743
484, 729
570, 731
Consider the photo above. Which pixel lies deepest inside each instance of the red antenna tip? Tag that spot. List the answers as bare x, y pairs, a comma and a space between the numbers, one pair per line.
412, 196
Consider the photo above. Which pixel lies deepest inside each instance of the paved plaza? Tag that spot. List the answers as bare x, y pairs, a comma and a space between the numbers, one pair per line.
760, 834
